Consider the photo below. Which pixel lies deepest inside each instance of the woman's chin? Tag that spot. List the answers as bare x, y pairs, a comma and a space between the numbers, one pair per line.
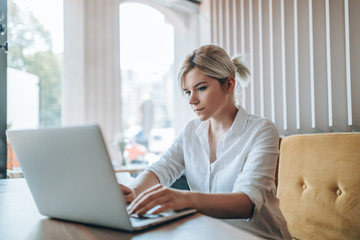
203, 117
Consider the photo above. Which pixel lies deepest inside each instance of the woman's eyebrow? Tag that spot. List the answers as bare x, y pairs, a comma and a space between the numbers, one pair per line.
196, 85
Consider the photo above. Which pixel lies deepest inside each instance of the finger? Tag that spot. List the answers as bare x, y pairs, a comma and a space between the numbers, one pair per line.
147, 200
125, 189
162, 202
171, 199
128, 193
142, 201
128, 198
144, 193
163, 207
174, 201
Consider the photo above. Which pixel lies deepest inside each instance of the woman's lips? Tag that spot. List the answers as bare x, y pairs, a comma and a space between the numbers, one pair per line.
198, 109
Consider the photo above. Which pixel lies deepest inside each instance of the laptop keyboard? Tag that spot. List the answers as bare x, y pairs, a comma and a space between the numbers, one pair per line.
145, 216
149, 216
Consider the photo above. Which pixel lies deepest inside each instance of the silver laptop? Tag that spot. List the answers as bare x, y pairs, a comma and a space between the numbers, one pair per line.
71, 177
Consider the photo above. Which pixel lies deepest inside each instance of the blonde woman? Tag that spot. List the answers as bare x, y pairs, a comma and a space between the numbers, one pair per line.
229, 155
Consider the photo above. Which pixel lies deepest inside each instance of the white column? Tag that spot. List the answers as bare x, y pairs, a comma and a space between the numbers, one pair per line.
91, 83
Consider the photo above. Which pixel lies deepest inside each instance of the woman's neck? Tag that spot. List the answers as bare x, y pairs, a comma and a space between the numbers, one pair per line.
224, 122
218, 127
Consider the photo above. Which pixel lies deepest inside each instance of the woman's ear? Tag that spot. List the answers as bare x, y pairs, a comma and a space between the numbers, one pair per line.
230, 84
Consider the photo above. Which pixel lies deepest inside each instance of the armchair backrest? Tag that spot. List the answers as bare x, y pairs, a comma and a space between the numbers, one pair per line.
319, 185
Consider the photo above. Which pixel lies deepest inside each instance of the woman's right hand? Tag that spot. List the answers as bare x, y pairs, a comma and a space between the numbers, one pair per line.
129, 193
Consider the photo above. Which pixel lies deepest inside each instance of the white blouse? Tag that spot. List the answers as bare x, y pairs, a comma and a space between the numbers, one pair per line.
246, 159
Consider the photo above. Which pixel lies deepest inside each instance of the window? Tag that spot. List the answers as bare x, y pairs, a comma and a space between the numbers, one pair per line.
146, 60
35, 38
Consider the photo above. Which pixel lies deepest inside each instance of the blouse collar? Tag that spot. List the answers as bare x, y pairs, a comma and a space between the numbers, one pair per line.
237, 127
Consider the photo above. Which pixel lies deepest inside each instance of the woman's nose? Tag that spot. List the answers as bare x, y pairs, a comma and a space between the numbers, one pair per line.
193, 99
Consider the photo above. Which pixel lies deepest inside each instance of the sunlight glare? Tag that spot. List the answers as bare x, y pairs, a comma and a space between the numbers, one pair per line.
146, 40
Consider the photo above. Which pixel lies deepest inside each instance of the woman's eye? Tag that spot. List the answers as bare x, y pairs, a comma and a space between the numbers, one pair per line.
187, 93
201, 89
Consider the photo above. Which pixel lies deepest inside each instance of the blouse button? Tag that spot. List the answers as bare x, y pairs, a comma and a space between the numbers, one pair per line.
304, 186
338, 192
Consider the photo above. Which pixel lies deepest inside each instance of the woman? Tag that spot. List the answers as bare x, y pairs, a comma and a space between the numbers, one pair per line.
229, 155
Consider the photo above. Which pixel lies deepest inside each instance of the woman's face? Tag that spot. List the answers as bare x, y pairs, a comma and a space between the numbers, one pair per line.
206, 96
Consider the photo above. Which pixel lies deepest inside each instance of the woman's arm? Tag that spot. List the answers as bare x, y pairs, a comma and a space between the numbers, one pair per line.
222, 205
226, 205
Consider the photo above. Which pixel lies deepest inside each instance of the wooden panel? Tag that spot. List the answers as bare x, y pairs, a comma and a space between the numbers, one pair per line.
257, 58
338, 75
279, 81
304, 77
290, 67
320, 69
266, 79
246, 51
354, 35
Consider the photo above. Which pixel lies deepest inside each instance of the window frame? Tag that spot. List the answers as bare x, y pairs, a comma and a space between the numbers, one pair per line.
3, 91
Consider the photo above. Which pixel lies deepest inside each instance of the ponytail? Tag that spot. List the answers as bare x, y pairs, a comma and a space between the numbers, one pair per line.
242, 72
241, 75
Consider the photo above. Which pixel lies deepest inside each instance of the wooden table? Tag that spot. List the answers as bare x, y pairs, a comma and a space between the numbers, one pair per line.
132, 169
20, 219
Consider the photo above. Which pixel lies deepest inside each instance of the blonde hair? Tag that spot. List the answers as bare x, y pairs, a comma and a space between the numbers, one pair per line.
214, 62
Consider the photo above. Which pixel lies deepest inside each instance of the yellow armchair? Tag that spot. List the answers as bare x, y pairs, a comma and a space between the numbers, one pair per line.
319, 185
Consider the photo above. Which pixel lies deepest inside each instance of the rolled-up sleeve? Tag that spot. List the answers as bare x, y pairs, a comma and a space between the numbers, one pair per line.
171, 165
257, 176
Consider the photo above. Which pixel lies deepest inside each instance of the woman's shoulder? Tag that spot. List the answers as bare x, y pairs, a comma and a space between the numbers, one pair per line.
261, 123
256, 119
251, 121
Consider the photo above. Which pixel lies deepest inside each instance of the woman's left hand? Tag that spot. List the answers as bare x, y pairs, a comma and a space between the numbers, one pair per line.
166, 198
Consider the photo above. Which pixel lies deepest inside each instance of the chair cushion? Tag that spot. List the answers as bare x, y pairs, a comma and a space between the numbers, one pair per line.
319, 185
